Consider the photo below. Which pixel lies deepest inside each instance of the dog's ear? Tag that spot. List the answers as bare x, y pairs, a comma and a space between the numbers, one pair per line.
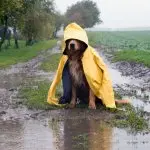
65, 53
83, 46
66, 48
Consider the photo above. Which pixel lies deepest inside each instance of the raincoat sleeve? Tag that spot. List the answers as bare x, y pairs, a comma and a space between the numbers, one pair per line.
52, 91
106, 89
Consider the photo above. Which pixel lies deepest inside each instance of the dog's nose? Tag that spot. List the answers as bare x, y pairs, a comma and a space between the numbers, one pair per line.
72, 46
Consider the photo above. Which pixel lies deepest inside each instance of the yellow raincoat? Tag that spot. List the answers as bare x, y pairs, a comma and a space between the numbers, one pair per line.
94, 68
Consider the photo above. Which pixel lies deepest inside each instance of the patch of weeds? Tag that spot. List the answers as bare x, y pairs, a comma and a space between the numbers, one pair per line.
35, 95
138, 56
55, 125
103, 126
131, 118
117, 95
51, 63
81, 141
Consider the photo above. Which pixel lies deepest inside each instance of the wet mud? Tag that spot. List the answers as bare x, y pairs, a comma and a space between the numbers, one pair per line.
130, 80
16, 76
80, 128
25, 135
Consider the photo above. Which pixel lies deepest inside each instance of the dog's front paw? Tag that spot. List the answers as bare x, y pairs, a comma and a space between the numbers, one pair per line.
72, 105
92, 106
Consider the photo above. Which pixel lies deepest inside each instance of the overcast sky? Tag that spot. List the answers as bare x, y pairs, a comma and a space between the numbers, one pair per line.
118, 13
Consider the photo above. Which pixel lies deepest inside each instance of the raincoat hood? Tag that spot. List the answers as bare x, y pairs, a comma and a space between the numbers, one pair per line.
94, 69
74, 31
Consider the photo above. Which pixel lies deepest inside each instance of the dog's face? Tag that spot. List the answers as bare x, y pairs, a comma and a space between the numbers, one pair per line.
75, 47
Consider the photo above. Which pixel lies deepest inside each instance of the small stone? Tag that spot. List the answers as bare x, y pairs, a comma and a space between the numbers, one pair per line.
12, 89
2, 113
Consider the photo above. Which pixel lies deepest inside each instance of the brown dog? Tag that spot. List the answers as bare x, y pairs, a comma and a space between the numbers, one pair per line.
74, 50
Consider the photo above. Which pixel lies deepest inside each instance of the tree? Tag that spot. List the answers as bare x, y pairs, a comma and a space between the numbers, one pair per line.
85, 13
39, 20
16, 21
7, 8
34, 19
59, 21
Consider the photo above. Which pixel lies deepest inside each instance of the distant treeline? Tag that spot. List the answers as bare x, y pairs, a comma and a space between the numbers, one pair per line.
34, 20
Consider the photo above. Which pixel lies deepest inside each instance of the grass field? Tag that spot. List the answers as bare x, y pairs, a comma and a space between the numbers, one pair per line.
138, 40
12, 56
133, 56
134, 46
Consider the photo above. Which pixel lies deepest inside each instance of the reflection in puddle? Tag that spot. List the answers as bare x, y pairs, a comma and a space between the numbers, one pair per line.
92, 134
123, 140
144, 94
25, 135
141, 104
140, 99
69, 134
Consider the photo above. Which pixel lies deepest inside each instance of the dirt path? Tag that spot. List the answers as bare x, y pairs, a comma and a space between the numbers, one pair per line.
12, 78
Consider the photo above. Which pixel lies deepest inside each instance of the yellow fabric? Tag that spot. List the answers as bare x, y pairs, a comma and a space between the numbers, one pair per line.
93, 65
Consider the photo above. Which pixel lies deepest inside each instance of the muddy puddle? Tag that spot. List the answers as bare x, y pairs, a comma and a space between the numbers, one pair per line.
91, 134
78, 129
25, 135
69, 134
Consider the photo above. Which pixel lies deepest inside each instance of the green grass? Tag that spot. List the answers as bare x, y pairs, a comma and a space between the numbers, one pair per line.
35, 95
133, 56
138, 40
131, 118
133, 46
81, 141
51, 63
12, 56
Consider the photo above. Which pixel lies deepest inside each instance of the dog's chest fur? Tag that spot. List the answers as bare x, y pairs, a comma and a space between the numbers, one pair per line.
77, 73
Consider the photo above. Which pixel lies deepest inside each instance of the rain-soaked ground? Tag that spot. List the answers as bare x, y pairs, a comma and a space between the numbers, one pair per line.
23, 129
